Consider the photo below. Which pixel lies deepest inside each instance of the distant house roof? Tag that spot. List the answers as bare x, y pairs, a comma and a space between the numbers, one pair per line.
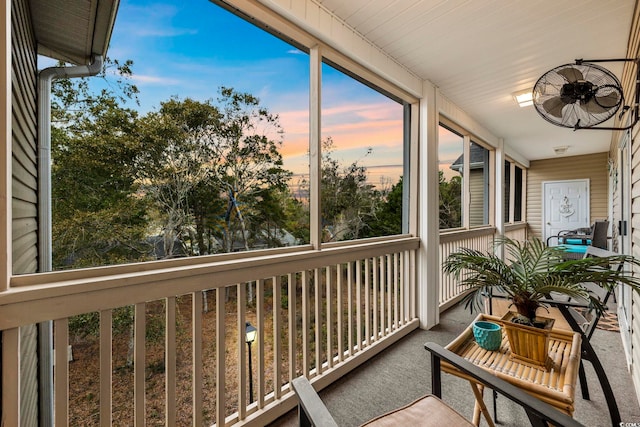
477, 154
73, 30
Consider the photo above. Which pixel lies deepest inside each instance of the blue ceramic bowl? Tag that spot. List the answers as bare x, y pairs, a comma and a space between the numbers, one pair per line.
488, 335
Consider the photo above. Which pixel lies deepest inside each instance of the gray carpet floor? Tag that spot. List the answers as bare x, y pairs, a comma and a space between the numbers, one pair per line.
402, 373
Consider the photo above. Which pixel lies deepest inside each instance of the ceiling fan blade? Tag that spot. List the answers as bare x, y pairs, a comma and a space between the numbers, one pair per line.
601, 104
609, 100
572, 75
554, 106
592, 107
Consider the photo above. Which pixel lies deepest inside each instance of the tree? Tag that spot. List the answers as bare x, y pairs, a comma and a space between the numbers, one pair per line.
97, 218
387, 219
450, 201
176, 162
347, 199
248, 162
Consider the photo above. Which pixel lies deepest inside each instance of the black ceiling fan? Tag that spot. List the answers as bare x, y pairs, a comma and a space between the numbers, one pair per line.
582, 95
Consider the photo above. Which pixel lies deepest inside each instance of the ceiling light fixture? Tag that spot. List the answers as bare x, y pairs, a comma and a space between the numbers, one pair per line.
561, 150
524, 98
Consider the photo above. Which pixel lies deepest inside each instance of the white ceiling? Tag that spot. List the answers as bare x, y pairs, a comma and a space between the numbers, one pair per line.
479, 52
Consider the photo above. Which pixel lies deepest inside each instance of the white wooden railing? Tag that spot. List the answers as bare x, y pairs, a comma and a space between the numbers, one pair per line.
451, 241
478, 238
182, 323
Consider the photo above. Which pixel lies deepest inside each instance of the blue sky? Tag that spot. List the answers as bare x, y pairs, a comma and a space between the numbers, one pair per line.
189, 48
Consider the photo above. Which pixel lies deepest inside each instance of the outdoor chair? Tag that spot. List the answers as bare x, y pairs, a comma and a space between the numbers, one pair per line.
577, 316
576, 241
430, 410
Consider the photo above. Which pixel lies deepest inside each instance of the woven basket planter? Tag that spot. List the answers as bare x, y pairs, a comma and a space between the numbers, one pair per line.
529, 345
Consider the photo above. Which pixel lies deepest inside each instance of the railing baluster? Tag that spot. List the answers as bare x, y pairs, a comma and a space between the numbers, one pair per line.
139, 364
359, 303
291, 309
221, 398
381, 268
241, 350
404, 260
350, 308
367, 301
375, 288
306, 318
170, 361
196, 336
106, 321
389, 293
396, 296
329, 320
260, 324
340, 311
277, 344
317, 291
61, 372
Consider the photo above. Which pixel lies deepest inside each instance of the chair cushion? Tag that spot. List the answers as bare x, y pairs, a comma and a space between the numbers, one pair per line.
428, 411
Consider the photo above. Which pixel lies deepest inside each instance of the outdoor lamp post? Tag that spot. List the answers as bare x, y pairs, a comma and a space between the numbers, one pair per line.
250, 337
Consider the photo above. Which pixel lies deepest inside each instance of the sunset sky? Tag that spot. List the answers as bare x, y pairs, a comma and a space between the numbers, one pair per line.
190, 48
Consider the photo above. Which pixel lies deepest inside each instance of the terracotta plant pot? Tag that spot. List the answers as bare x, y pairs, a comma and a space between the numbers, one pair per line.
529, 345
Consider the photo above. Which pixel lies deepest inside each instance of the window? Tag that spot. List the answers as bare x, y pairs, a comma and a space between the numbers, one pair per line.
362, 159
479, 183
450, 164
507, 191
519, 194
214, 156
465, 182
210, 161
513, 208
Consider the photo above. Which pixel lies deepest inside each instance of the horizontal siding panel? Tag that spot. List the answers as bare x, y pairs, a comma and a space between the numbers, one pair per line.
591, 166
25, 262
24, 226
23, 192
22, 209
20, 134
24, 111
25, 176
25, 242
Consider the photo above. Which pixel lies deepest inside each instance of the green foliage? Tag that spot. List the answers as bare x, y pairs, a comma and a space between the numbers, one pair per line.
97, 217
248, 162
534, 272
190, 178
346, 198
175, 170
450, 202
387, 219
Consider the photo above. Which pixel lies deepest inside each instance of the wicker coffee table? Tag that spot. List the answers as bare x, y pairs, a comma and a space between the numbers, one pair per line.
555, 385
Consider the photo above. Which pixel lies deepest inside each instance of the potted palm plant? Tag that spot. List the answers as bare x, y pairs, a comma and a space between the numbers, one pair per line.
528, 274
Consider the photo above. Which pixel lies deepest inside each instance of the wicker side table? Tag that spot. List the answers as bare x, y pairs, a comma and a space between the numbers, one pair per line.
555, 385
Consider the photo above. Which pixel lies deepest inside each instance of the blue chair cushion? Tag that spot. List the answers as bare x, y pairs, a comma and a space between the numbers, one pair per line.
575, 249
571, 241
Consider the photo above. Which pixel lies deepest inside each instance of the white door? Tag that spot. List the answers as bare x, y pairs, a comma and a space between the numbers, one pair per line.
565, 206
